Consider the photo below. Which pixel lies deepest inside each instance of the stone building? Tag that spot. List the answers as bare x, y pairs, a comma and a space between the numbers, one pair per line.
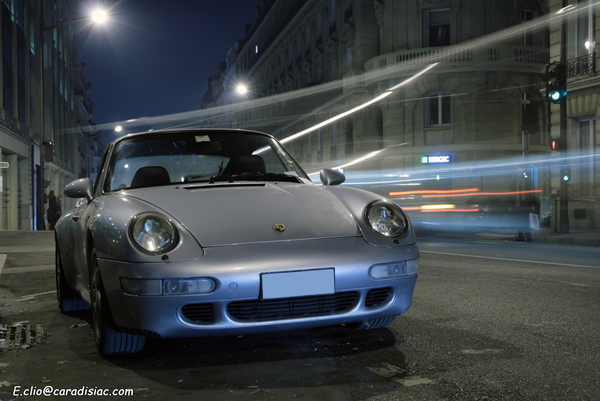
308, 61
577, 35
44, 100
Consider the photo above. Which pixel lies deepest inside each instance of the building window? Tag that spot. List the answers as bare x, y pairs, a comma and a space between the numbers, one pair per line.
586, 134
437, 28
319, 25
526, 16
332, 12
437, 109
586, 30
7, 62
348, 58
333, 68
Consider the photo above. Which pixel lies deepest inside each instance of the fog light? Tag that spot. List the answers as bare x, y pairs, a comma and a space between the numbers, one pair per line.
179, 286
141, 287
394, 269
188, 286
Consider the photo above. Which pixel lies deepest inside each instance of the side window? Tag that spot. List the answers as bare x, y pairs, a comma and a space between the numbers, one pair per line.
437, 109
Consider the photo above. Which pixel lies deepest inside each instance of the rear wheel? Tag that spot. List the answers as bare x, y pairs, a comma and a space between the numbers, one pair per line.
109, 340
68, 300
372, 324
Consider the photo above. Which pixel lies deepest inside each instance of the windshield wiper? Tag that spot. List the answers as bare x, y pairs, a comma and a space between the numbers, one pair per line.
254, 177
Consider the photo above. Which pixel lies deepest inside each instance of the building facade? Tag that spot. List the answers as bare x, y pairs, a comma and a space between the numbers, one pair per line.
45, 110
481, 103
573, 43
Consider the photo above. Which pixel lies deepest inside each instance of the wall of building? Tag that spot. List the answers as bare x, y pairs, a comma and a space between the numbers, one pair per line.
321, 57
582, 110
43, 98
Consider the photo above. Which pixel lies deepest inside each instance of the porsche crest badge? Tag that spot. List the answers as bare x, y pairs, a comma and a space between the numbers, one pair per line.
279, 227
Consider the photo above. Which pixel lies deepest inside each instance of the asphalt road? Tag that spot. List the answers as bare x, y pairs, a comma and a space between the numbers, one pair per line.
491, 320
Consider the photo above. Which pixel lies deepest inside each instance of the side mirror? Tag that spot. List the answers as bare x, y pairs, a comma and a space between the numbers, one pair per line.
81, 188
332, 177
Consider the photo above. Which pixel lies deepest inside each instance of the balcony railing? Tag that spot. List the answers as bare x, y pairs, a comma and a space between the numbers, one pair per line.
582, 192
528, 57
583, 65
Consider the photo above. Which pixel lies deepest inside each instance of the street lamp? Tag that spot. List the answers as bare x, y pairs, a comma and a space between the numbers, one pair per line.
241, 89
99, 16
46, 147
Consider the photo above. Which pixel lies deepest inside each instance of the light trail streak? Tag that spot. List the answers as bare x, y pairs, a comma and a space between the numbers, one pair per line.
483, 193
431, 191
200, 117
359, 107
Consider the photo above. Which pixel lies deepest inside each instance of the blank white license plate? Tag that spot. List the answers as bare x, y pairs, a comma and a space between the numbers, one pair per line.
298, 284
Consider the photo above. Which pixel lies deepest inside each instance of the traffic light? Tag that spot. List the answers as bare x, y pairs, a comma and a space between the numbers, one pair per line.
556, 82
565, 172
557, 144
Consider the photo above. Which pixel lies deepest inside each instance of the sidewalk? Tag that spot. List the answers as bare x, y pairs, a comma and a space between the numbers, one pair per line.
574, 237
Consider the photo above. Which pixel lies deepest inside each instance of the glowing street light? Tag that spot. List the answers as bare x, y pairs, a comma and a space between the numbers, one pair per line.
99, 16
242, 89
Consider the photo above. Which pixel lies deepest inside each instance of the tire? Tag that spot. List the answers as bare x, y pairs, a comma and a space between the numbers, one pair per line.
68, 300
373, 323
109, 340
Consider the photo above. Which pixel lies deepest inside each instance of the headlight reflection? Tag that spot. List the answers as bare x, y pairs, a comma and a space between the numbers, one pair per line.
386, 218
153, 233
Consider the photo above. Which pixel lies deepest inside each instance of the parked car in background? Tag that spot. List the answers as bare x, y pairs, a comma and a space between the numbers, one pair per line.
191, 233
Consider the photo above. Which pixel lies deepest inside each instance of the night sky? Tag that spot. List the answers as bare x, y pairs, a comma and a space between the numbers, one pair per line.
154, 57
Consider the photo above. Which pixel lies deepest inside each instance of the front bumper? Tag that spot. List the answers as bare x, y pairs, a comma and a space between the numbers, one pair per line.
235, 306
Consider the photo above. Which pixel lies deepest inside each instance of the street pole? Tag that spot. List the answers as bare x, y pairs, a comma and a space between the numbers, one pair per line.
564, 201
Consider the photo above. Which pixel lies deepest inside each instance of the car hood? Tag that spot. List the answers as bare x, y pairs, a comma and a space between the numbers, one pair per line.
236, 213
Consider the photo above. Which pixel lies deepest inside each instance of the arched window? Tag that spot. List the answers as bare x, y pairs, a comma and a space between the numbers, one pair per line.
437, 109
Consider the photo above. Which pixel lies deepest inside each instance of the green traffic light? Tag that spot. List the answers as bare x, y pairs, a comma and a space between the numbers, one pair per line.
556, 82
557, 95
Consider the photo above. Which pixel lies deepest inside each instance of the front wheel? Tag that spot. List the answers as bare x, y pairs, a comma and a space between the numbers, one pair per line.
372, 324
109, 340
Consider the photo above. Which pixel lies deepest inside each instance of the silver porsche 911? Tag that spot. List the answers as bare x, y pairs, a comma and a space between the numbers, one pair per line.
191, 233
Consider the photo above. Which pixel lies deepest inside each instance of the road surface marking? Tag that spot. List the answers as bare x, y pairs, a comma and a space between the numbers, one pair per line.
2, 260
25, 269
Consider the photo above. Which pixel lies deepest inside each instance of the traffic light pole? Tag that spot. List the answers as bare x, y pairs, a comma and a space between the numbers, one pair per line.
564, 201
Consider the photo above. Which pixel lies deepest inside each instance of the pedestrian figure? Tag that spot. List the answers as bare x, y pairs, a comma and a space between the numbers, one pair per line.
54, 209
526, 221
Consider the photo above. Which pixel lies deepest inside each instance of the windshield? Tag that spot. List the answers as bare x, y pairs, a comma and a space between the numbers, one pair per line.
192, 157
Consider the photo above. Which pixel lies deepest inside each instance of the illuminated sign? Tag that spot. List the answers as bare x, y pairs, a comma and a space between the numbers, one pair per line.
436, 159
3, 164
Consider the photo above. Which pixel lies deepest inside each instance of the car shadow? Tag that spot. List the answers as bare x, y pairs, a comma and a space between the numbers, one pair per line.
334, 357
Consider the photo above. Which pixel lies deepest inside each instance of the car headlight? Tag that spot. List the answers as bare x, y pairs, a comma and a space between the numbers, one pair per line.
386, 218
153, 233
